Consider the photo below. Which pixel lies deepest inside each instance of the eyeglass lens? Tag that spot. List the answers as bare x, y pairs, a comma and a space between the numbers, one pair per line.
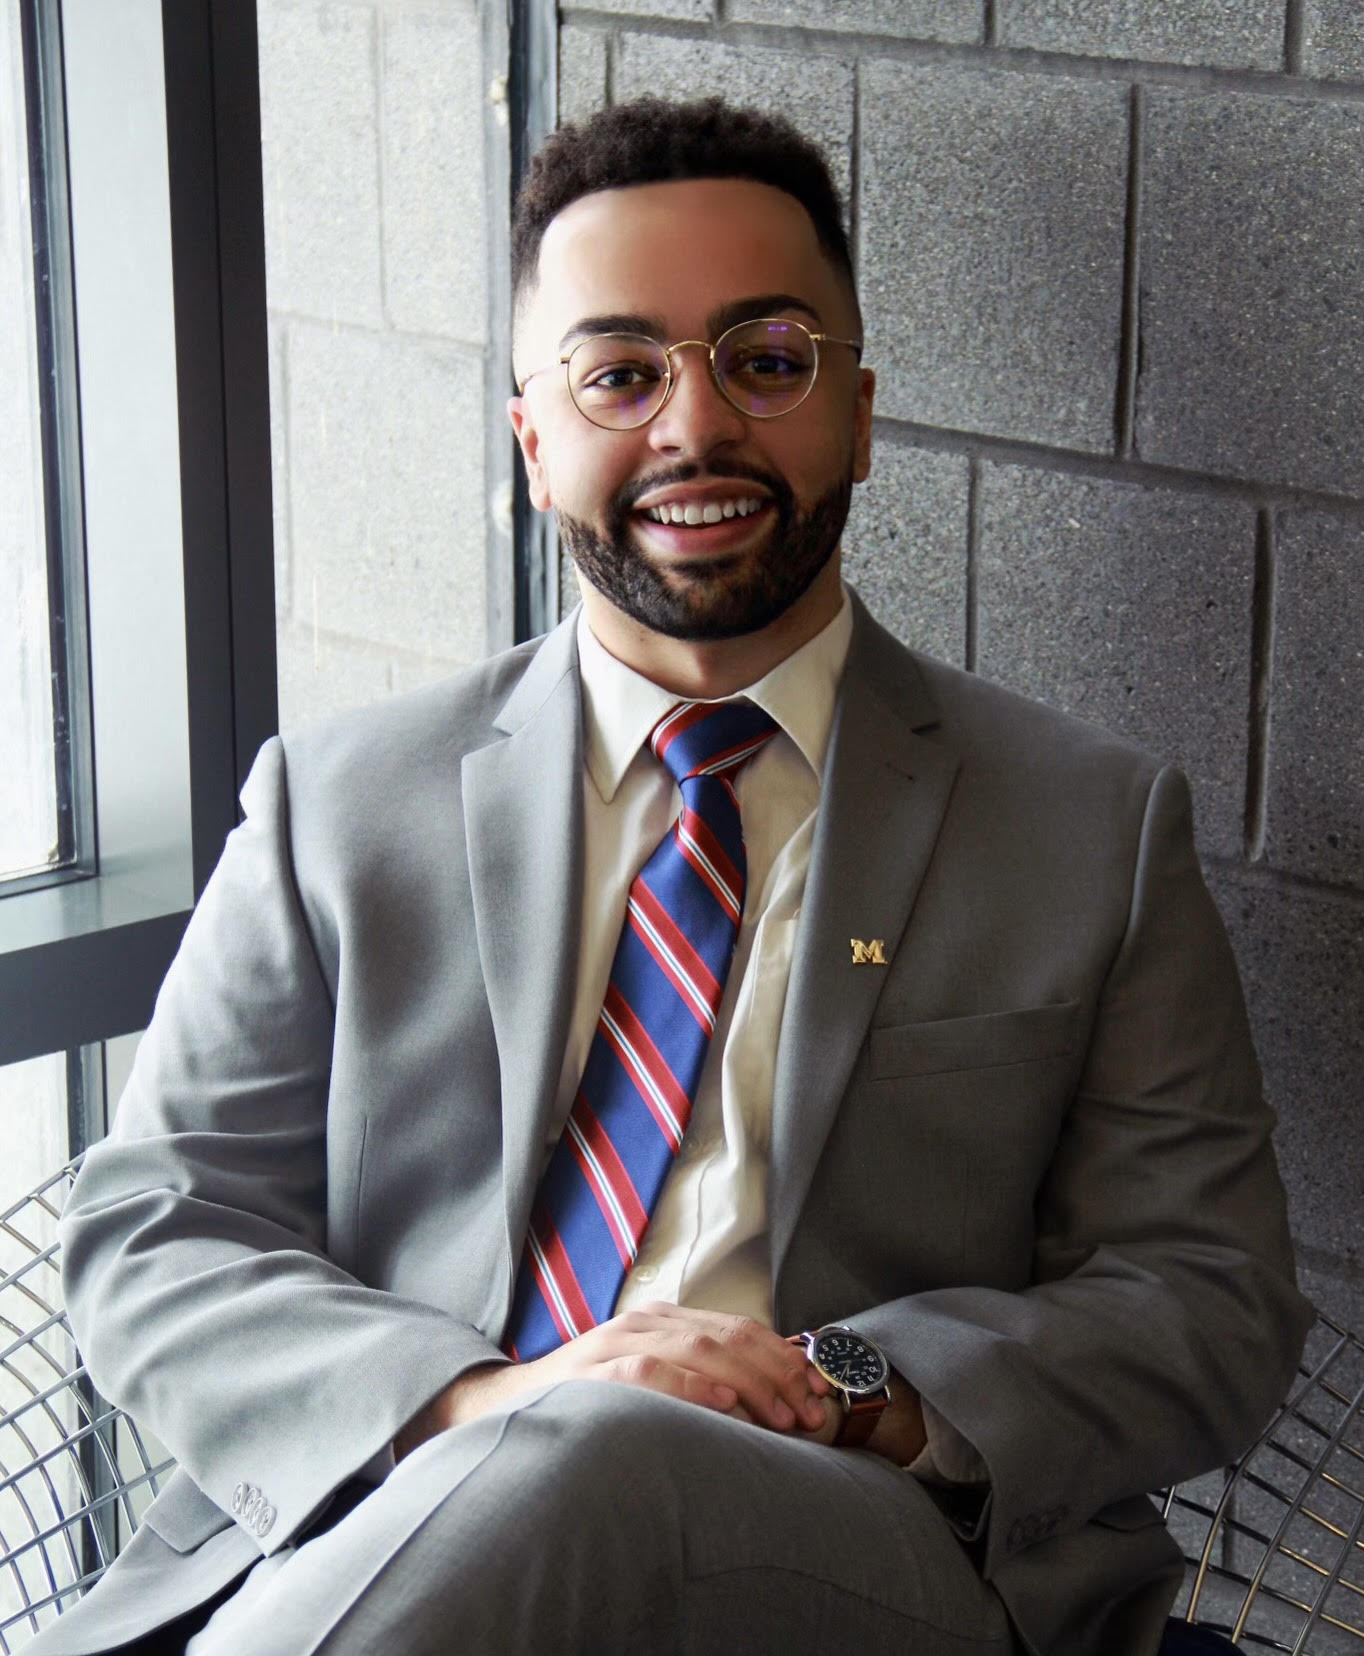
764, 368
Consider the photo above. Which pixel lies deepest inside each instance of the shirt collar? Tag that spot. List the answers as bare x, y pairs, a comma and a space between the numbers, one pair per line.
621, 706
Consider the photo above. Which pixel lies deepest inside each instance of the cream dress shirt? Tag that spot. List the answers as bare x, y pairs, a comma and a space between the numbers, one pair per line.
707, 1242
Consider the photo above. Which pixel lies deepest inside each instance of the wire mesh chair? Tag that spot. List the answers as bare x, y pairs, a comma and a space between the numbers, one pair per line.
75, 1473
1274, 1545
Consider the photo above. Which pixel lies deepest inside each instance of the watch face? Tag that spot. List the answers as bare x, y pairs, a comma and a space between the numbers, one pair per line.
850, 1361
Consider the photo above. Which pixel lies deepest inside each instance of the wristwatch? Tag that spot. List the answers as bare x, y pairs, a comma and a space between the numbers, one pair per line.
857, 1369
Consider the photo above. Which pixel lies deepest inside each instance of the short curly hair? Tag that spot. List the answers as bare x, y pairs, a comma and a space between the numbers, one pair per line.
652, 141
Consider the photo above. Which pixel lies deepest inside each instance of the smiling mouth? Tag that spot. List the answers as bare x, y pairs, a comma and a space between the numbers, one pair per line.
694, 514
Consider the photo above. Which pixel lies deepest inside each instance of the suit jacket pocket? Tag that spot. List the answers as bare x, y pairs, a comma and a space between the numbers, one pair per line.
183, 1516
982, 1042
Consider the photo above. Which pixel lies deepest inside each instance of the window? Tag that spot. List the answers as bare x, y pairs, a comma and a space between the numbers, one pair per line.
166, 475
135, 364
46, 821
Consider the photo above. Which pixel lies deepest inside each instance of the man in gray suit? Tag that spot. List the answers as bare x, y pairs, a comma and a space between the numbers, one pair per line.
978, 1121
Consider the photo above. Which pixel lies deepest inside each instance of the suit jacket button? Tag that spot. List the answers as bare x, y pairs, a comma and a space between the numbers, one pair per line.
239, 1497
266, 1522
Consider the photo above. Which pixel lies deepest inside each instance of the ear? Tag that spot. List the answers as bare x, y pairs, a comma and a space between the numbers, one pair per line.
866, 396
529, 438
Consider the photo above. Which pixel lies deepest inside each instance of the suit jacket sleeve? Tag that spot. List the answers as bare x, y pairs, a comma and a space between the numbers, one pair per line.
195, 1262
1162, 1325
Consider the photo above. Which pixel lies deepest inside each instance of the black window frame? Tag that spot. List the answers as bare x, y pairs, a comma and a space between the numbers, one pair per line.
81, 971
59, 447
78, 974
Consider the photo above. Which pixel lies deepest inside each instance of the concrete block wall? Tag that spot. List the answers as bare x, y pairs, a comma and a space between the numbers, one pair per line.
375, 205
1112, 258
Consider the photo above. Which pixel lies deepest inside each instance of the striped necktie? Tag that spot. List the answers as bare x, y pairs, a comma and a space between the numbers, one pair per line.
645, 1062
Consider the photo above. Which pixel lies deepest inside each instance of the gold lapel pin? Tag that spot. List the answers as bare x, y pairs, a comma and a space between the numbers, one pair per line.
869, 954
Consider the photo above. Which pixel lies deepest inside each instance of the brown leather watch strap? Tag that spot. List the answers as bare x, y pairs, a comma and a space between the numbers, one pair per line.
860, 1415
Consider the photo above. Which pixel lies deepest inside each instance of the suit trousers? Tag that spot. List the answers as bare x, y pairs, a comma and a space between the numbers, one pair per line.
602, 1518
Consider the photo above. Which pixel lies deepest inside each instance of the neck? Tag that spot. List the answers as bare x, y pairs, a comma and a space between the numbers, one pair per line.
705, 669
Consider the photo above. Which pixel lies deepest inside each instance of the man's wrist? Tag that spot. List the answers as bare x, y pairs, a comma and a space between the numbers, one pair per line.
899, 1435
464, 1399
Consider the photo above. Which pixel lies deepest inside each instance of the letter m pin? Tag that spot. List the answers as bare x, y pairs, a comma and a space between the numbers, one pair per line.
869, 954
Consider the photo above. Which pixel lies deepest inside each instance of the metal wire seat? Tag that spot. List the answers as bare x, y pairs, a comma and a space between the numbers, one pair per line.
75, 1474
1275, 1544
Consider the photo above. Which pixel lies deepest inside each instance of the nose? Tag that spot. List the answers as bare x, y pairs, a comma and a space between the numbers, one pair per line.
696, 418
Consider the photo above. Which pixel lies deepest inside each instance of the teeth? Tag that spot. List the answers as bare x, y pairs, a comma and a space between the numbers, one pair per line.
712, 512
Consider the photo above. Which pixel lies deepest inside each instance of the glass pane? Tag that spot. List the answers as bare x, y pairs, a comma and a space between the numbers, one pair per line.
28, 808
32, 1124
38, 1404
76, 1471
375, 213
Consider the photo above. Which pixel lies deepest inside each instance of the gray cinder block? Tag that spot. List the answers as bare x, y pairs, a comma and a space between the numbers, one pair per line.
1315, 819
815, 93
1338, 1295
696, 11
1333, 38
279, 464
905, 547
386, 441
1235, 34
1130, 607
1252, 280
582, 73
320, 161
321, 673
435, 195
1302, 958
908, 19
991, 229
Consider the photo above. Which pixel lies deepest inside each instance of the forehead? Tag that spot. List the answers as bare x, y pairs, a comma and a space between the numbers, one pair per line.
677, 250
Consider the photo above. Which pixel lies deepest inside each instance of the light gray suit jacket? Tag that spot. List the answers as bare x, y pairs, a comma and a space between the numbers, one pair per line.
1030, 1156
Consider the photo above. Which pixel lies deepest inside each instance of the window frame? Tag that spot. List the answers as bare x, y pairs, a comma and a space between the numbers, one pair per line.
81, 963
59, 444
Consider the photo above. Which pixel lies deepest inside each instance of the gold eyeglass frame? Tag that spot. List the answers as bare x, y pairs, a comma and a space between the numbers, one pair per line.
816, 339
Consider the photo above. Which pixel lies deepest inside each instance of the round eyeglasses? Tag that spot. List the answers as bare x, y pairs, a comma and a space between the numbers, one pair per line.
764, 368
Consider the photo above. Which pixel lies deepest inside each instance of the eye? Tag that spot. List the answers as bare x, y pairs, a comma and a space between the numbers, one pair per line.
620, 376
766, 363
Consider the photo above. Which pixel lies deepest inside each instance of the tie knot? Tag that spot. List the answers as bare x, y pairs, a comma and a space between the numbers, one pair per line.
710, 738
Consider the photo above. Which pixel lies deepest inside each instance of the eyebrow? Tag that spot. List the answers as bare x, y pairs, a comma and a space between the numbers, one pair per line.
654, 327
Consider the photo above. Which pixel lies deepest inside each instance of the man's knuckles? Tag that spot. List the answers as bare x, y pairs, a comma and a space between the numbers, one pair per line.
700, 1348
635, 1368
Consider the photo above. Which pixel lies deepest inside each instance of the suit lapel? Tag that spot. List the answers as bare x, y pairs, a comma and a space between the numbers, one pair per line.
886, 790
524, 828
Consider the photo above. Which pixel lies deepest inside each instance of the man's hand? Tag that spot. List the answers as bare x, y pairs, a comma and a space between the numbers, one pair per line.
730, 1364
900, 1433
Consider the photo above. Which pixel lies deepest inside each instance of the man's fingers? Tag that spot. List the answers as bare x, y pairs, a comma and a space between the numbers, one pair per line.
769, 1377
656, 1373
785, 1375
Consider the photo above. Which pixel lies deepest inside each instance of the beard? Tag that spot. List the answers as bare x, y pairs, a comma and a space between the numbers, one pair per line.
711, 597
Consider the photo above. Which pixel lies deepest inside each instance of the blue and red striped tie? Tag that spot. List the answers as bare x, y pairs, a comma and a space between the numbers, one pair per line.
645, 1062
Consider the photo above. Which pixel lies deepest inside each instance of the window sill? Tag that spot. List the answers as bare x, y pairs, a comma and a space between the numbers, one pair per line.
82, 961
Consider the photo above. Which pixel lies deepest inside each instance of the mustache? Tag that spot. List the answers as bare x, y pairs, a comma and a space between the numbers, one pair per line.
775, 485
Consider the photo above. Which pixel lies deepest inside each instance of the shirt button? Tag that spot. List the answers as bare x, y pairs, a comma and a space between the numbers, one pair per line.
646, 1273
